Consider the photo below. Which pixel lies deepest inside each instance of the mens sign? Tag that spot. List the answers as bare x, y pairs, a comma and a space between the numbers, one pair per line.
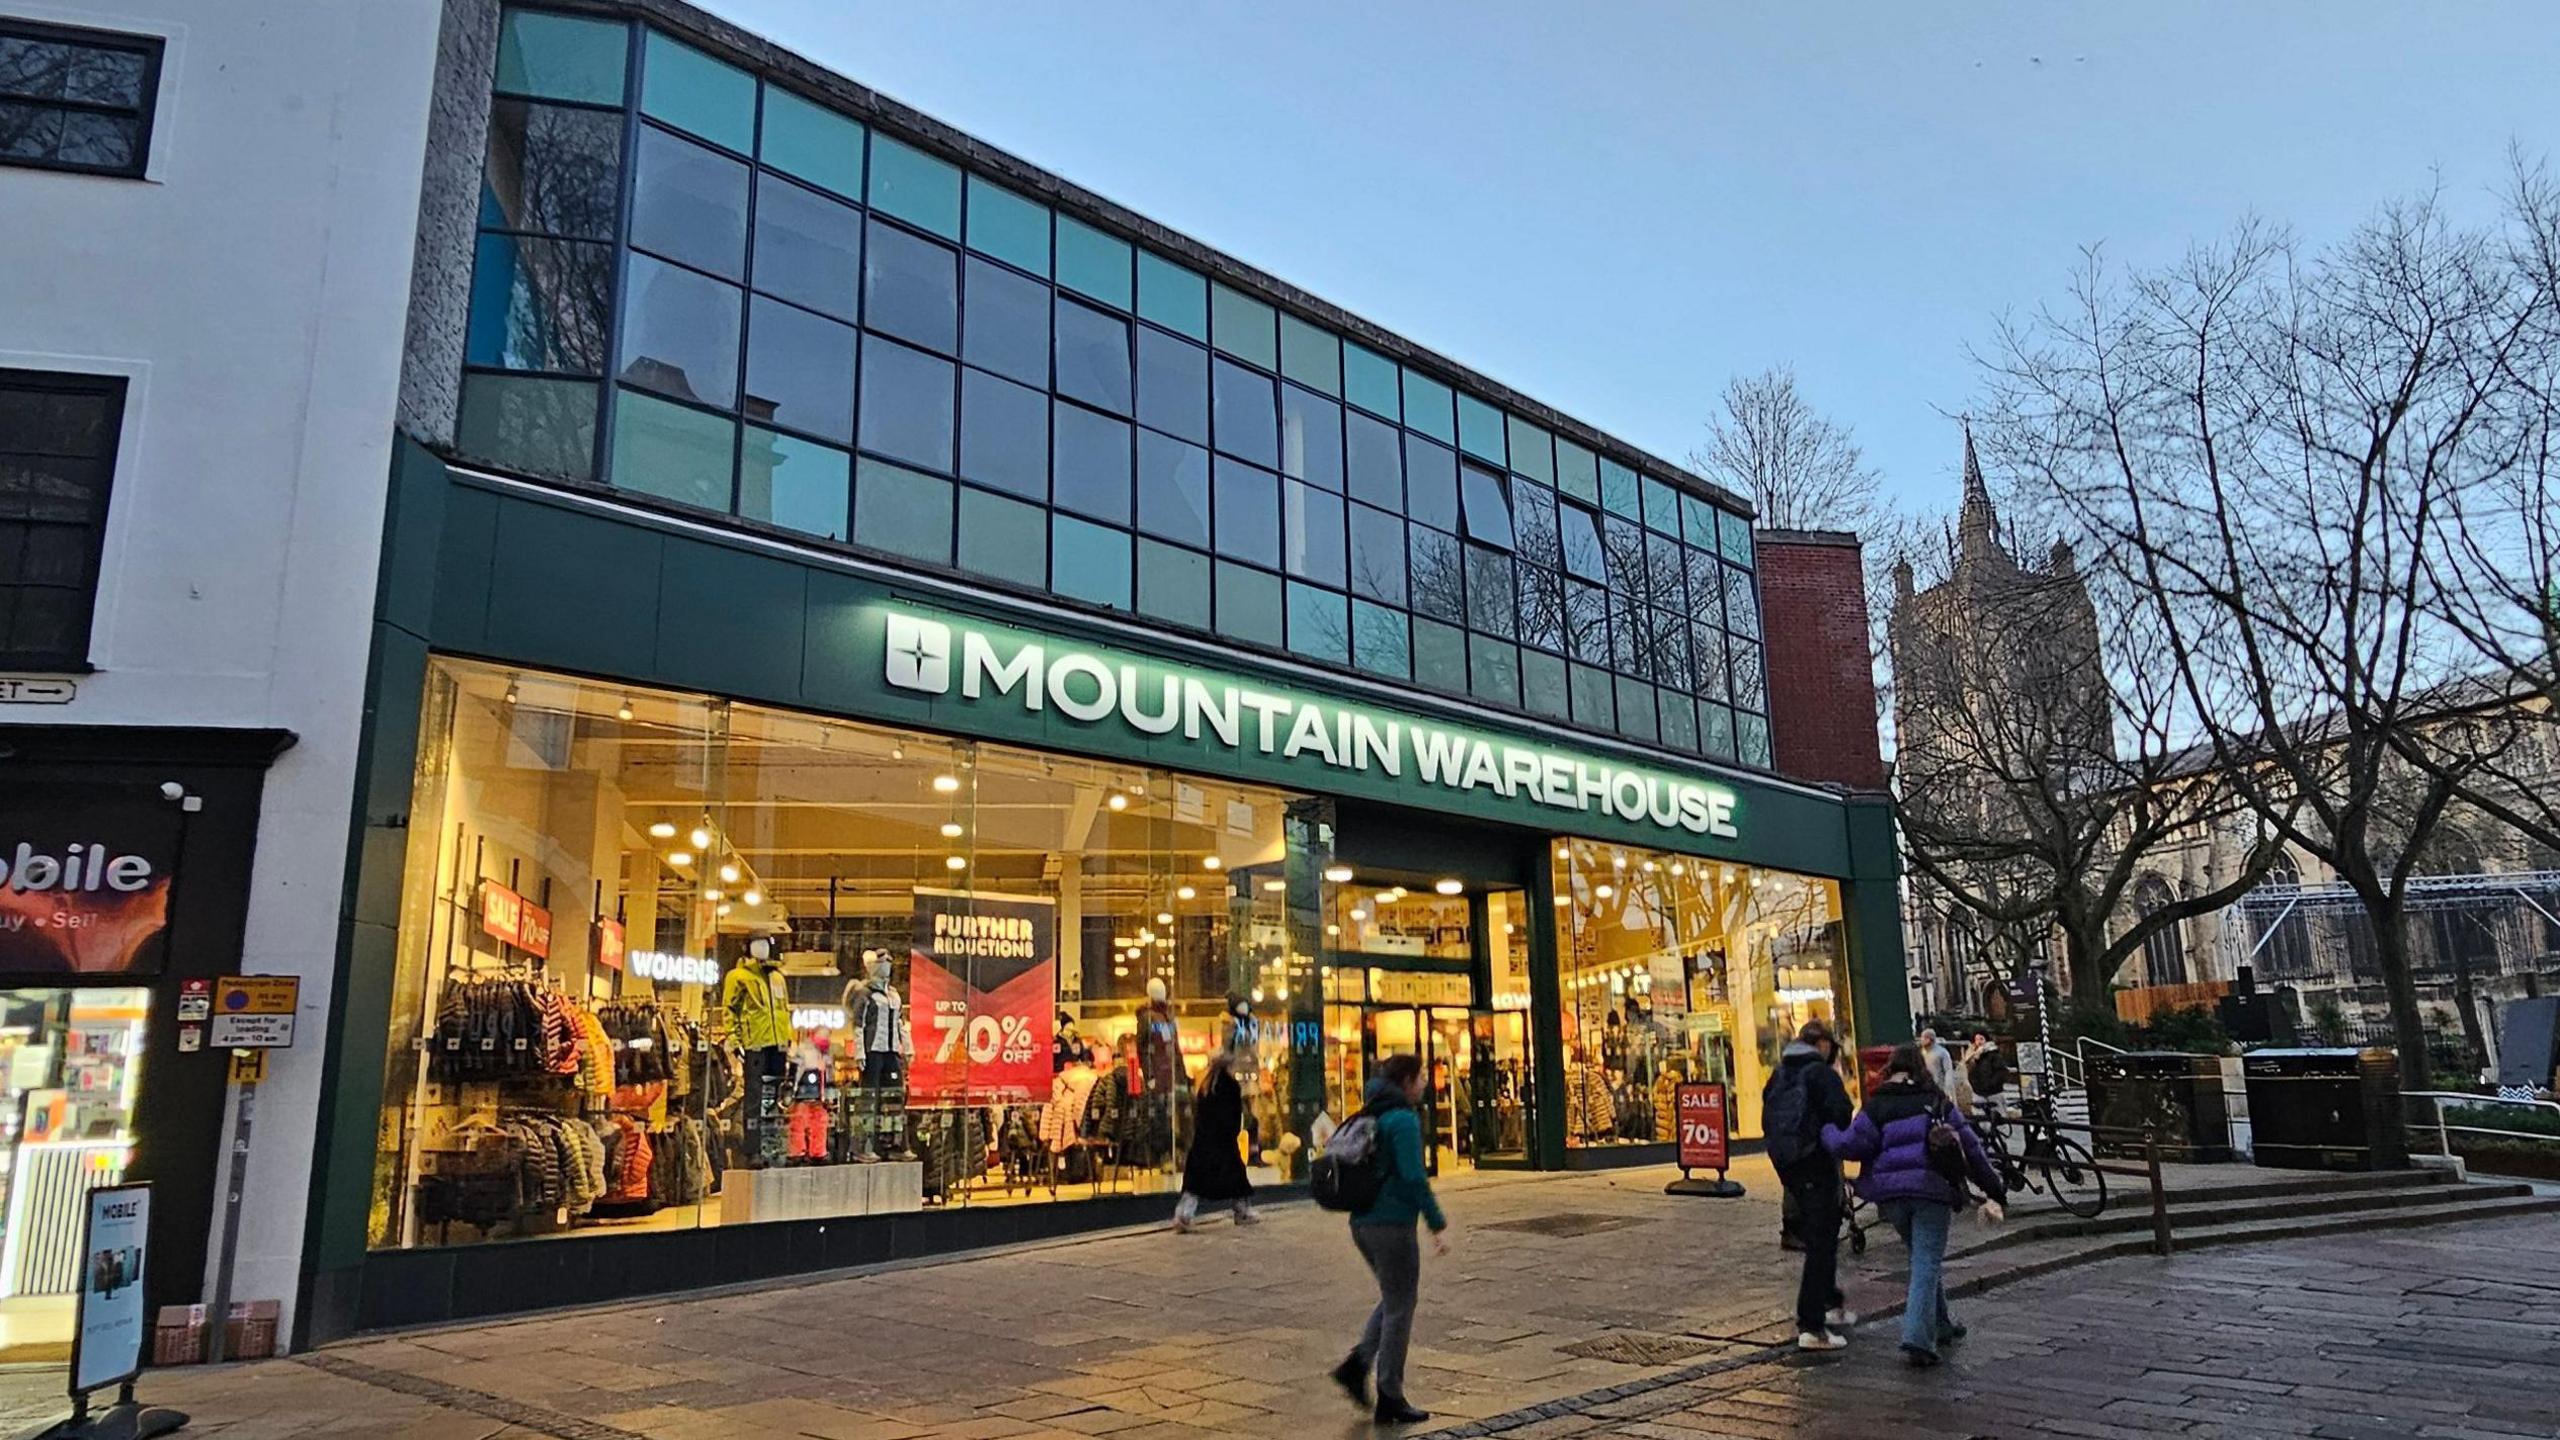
985, 665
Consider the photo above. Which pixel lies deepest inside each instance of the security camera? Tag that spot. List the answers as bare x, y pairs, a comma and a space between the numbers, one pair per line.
171, 790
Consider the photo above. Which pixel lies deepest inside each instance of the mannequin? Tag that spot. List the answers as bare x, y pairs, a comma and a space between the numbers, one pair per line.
760, 1023
1159, 1043
882, 1044
810, 1070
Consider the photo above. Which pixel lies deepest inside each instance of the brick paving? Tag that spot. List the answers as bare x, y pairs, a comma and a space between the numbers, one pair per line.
1161, 1337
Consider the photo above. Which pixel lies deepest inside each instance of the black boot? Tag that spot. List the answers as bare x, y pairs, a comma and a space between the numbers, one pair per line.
1393, 1411
1353, 1376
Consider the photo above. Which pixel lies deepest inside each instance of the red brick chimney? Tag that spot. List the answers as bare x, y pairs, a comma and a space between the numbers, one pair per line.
1822, 688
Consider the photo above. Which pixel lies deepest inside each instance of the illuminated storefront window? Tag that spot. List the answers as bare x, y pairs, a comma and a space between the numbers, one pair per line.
671, 962
1675, 968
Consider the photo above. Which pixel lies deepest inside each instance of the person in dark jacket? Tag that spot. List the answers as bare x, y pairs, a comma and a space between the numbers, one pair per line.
1384, 1233
1891, 1139
1986, 1068
1803, 1097
1214, 1170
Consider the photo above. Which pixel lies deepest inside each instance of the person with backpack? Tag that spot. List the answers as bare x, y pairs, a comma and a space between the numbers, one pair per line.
1804, 1095
1918, 1151
1373, 1168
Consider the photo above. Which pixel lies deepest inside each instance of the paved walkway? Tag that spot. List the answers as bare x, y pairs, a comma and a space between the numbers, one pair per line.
1561, 1289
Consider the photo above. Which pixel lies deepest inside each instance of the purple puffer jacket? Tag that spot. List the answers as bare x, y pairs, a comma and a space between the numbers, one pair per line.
1891, 1136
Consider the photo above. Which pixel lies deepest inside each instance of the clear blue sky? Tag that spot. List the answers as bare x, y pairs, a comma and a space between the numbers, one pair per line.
1614, 204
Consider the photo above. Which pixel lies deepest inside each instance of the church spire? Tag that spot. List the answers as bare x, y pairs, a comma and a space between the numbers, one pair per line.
1977, 527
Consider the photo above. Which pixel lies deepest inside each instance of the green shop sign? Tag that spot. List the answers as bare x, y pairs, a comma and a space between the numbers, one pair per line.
984, 678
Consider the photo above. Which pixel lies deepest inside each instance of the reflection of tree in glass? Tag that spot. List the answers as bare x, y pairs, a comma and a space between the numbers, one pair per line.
34, 72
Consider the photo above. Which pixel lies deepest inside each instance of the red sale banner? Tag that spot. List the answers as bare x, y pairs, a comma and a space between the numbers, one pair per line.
983, 994
1701, 1114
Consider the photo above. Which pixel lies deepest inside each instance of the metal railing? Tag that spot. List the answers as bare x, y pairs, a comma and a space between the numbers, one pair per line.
2437, 1100
2148, 1171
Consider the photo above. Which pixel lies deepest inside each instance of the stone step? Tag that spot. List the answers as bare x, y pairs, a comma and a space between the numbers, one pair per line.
2130, 1213
1974, 1271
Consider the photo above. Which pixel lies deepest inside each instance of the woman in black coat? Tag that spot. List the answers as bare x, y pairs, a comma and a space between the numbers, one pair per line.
1214, 1170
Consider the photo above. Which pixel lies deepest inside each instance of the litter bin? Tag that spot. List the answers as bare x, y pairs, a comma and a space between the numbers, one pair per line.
2168, 1095
2326, 1109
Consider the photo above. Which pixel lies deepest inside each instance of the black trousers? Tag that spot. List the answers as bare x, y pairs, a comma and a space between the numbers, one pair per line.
1813, 1189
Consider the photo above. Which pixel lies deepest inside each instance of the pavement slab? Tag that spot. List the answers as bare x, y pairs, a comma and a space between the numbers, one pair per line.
1649, 1315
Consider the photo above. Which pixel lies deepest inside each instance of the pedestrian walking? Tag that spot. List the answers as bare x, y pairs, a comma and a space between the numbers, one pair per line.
1943, 1071
1986, 1067
1384, 1232
1918, 1151
1804, 1097
1214, 1170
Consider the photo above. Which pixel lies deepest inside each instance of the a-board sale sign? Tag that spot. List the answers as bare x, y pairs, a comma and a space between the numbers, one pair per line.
1704, 1136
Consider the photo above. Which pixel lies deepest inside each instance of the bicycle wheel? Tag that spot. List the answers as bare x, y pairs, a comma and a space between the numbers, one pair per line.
2074, 1178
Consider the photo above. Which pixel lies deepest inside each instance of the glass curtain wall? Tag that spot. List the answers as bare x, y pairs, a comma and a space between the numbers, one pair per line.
784, 315
1675, 968
667, 961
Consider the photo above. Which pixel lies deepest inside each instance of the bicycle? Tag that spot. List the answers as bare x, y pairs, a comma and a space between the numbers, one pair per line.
2068, 1172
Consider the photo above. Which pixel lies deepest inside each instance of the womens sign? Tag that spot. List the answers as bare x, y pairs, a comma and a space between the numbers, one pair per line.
983, 992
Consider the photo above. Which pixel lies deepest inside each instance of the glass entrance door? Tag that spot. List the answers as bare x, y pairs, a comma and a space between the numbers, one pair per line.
1443, 1038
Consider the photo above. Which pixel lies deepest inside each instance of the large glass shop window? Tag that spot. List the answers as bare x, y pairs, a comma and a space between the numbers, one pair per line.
1676, 968
668, 961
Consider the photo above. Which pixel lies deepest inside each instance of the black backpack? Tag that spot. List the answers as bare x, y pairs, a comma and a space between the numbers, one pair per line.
1786, 1116
1352, 1172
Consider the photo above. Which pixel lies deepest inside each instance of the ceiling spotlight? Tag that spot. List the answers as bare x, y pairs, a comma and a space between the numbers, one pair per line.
1359, 914
1164, 917
954, 862
511, 692
1620, 861
1117, 801
1450, 887
1257, 994
1678, 869
1603, 891
1389, 897
1212, 862
947, 784
897, 752
1648, 867
701, 838
753, 896
712, 894
1332, 930
1119, 972
1185, 892
1338, 874
624, 712
1275, 885
723, 910
679, 857
663, 830
951, 830
729, 874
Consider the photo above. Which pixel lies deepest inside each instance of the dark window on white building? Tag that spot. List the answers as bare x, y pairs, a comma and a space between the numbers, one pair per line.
73, 99
57, 464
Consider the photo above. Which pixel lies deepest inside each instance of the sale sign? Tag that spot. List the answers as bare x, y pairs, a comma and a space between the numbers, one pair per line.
982, 994
1700, 1111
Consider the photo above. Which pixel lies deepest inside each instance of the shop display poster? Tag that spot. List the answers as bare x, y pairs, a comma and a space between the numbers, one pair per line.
982, 997
85, 873
1700, 1110
106, 1346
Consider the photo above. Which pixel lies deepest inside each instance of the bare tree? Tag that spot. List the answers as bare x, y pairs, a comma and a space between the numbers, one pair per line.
2277, 451
1803, 471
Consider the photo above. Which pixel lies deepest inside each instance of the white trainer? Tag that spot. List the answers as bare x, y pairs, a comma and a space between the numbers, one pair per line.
1821, 1340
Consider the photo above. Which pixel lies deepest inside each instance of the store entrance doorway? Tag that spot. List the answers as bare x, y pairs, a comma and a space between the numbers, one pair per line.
1410, 973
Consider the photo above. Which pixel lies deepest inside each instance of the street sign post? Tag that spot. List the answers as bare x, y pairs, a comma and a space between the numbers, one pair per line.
252, 1014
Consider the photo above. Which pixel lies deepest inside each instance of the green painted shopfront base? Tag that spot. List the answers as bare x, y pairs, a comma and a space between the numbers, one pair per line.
575, 583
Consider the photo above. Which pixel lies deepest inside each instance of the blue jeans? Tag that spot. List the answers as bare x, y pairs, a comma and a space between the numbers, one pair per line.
1922, 1224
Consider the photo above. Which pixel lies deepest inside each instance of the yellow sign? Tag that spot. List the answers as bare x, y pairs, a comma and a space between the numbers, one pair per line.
254, 1012
248, 1067
257, 995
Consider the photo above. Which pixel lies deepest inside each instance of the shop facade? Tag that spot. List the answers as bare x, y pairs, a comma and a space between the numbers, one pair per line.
124, 890
887, 667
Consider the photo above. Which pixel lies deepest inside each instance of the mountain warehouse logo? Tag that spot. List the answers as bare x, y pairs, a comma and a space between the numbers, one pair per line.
1152, 698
